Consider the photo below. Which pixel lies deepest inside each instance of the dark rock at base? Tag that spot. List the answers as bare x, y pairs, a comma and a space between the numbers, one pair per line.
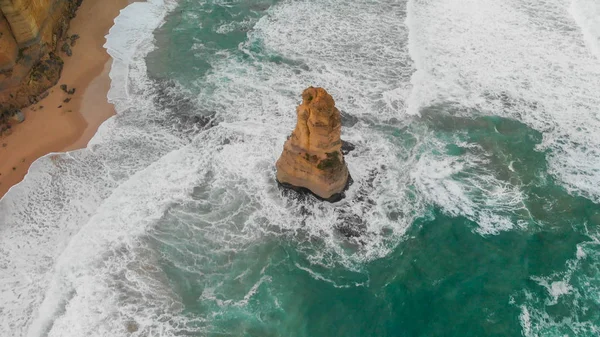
132, 327
347, 147
71, 91
66, 49
17, 116
303, 194
364, 190
348, 223
202, 122
67, 100
347, 119
351, 225
73, 39
192, 123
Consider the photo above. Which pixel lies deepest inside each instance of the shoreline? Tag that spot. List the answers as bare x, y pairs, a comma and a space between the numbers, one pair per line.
64, 122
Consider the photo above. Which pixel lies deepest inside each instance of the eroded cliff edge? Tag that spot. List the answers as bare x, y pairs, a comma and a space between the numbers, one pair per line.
312, 157
31, 34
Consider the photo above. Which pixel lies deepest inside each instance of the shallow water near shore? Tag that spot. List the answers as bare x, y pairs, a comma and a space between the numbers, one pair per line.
474, 208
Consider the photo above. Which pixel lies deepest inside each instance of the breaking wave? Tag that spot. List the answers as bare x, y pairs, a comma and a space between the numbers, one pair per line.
173, 207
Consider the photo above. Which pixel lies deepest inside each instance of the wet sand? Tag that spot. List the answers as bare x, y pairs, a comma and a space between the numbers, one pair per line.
53, 125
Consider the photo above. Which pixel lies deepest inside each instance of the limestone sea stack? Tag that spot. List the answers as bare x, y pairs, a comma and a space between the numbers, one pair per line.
312, 156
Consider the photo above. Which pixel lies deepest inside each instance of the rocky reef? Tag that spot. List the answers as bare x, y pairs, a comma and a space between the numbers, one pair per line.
32, 34
312, 157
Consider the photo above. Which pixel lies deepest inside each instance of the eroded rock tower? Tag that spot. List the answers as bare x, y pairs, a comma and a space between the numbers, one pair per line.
312, 156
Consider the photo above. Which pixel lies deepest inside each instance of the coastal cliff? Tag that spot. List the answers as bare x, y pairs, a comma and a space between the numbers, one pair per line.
32, 32
312, 157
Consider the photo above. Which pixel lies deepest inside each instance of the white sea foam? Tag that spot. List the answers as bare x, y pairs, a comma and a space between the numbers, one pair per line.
355, 50
462, 187
520, 59
40, 216
320, 277
360, 65
96, 280
586, 14
555, 288
128, 42
525, 319
368, 72
255, 94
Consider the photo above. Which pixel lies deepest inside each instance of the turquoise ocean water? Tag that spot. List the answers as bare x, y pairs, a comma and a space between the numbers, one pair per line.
474, 209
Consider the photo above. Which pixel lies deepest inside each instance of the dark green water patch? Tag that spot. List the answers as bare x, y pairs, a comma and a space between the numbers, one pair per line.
508, 150
509, 145
448, 281
197, 33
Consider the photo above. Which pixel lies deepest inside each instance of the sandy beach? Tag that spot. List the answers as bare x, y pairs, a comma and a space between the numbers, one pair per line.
63, 122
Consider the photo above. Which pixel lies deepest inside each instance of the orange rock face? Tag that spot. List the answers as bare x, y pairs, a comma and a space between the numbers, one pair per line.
312, 156
32, 33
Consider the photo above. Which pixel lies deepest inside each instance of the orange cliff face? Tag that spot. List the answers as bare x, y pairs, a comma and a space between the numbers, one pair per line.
312, 156
32, 34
